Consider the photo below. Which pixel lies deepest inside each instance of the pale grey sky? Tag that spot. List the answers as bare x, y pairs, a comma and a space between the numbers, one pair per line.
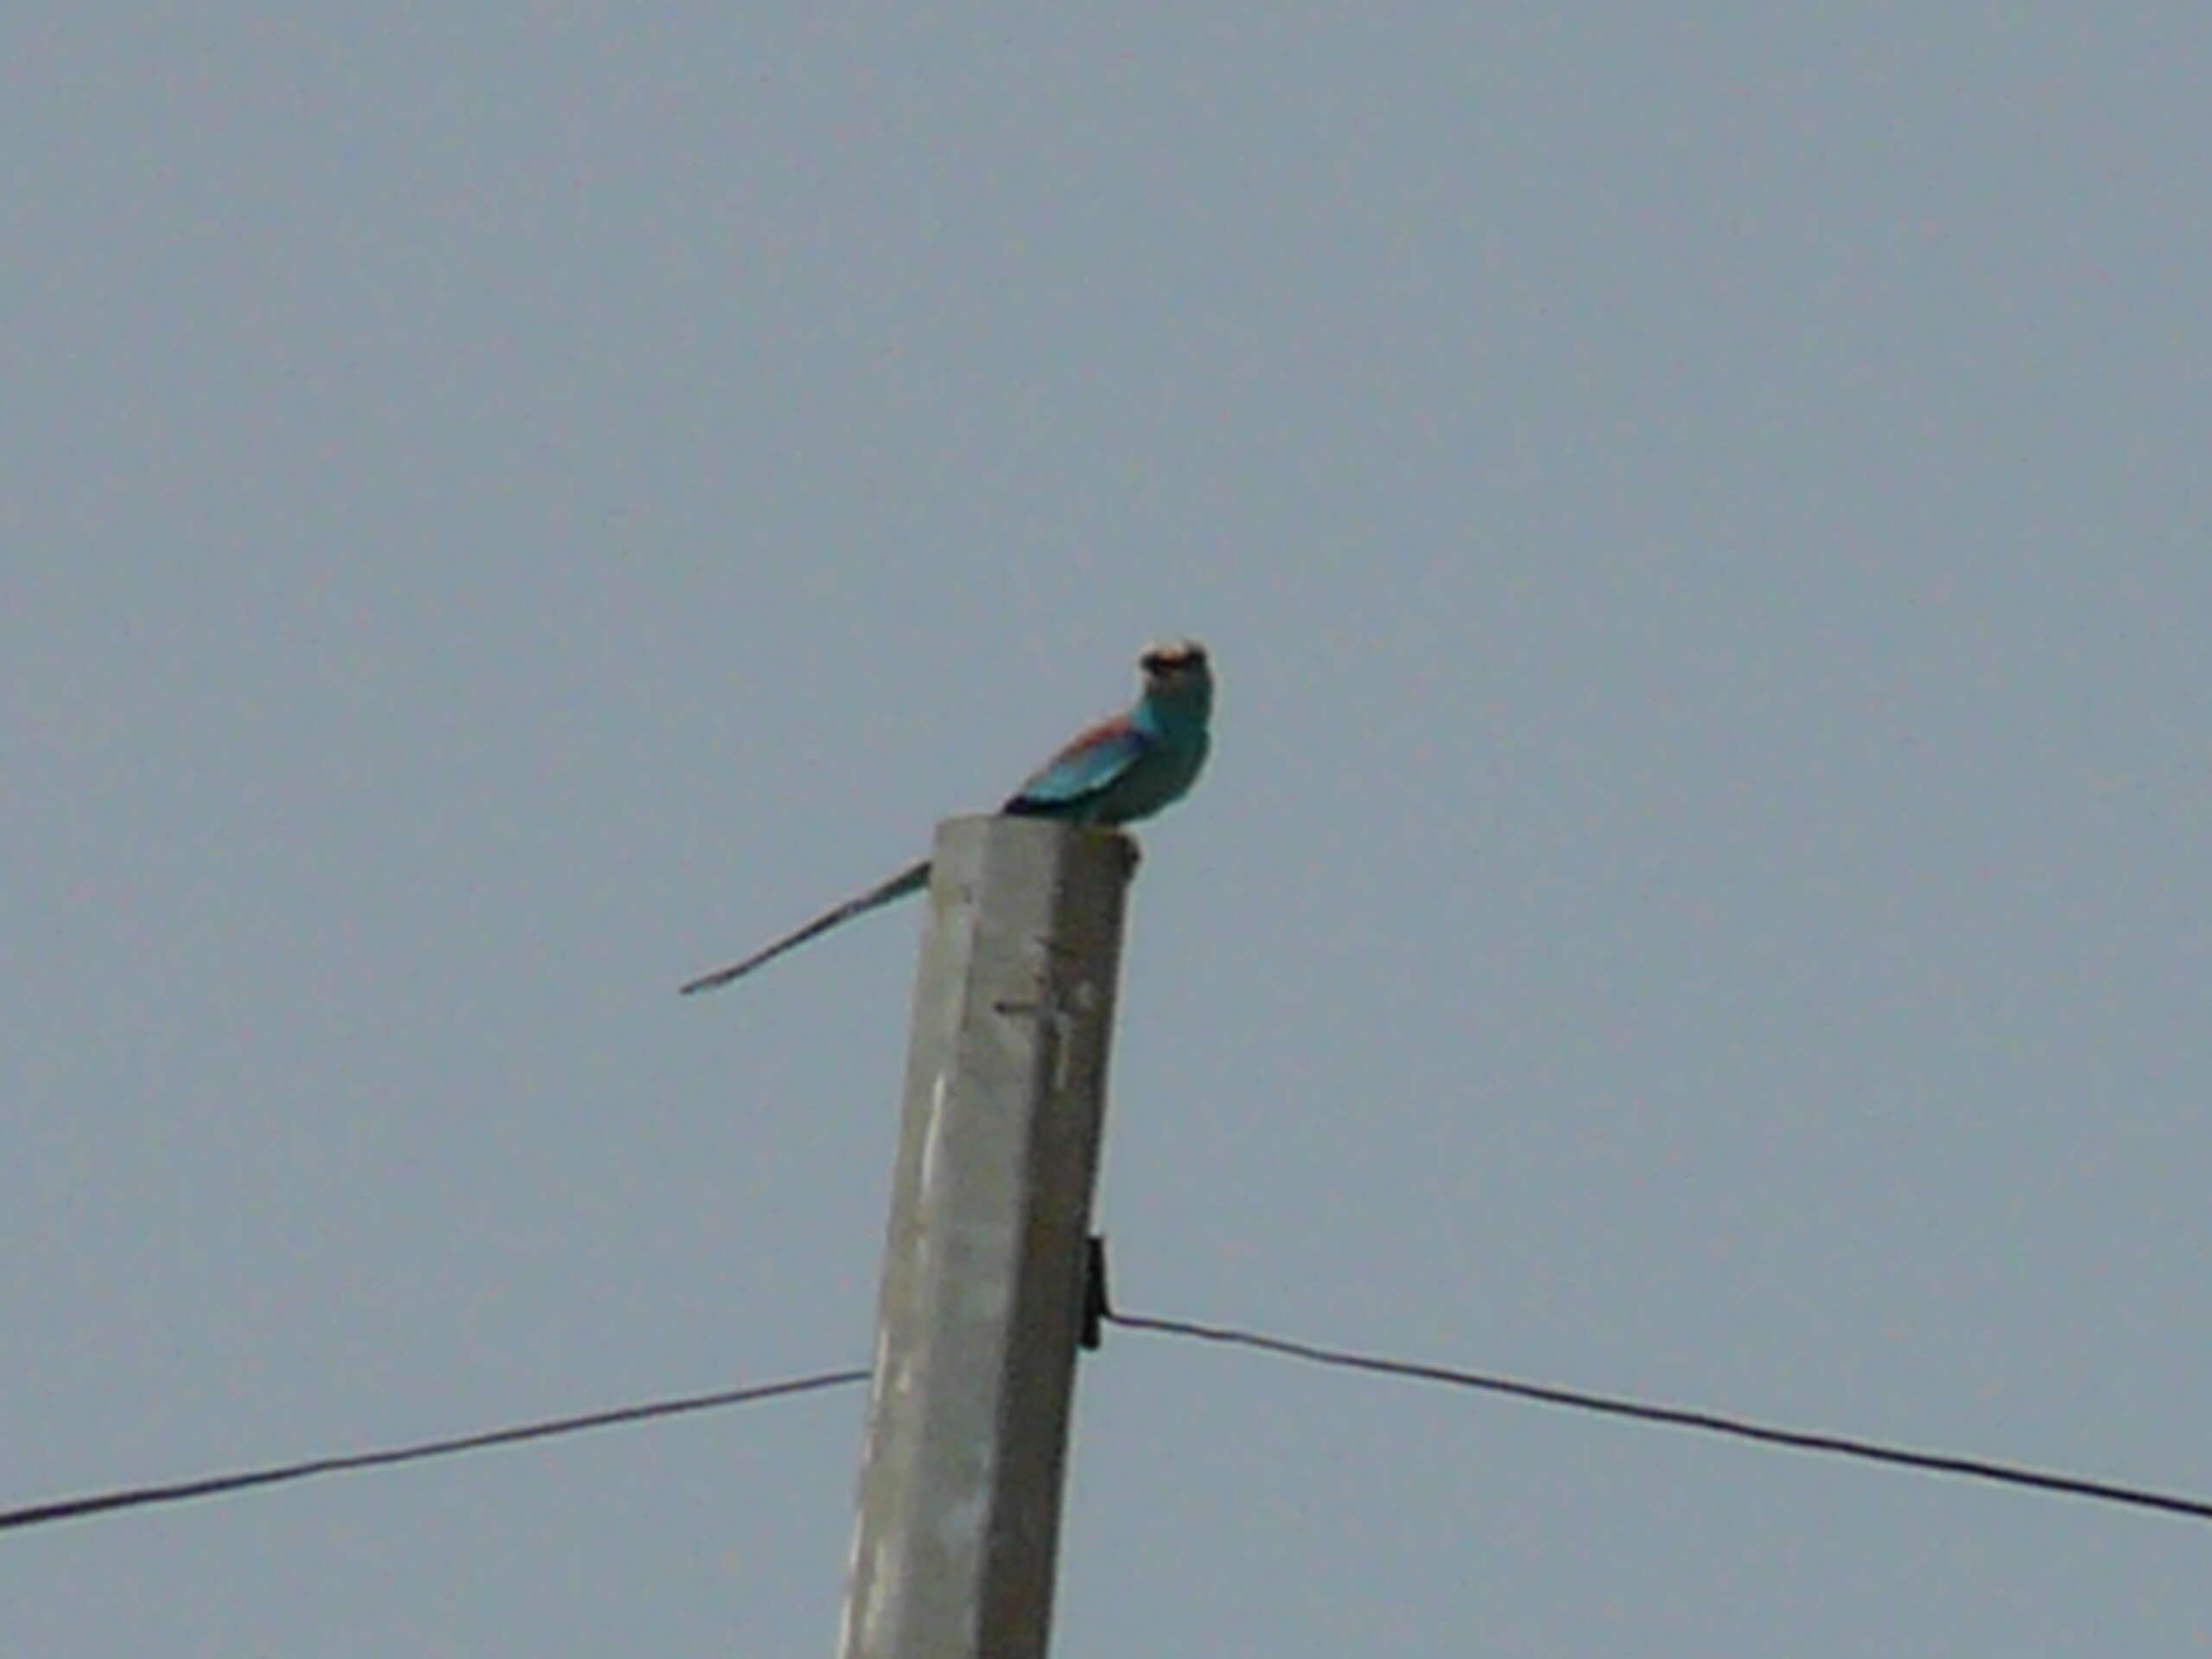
1702, 521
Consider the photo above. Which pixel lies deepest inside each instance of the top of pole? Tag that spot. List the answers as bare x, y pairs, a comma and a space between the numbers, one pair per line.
982, 1296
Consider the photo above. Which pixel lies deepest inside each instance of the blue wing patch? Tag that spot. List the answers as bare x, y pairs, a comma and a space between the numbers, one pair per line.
1085, 769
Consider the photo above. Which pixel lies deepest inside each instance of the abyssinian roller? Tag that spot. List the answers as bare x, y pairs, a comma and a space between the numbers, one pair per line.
1119, 771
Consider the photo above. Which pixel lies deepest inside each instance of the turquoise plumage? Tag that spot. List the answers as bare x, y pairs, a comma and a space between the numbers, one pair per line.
1117, 772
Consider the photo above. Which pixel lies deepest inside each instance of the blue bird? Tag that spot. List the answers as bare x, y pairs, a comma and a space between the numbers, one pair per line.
1121, 770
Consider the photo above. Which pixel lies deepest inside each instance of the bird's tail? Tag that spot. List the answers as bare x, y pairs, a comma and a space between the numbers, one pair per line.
913, 879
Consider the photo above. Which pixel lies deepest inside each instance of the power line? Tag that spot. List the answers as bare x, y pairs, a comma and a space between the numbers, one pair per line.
1709, 1422
2008, 1474
131, 1497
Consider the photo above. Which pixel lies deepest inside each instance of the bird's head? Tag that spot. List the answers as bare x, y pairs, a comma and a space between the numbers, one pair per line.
1177, 671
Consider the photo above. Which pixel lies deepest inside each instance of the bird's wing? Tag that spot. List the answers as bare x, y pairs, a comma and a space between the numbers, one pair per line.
913, 879
1090, 763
